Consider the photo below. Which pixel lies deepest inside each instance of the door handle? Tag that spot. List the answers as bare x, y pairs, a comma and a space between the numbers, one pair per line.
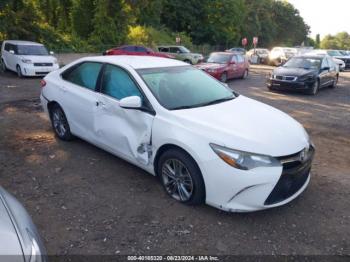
99, 103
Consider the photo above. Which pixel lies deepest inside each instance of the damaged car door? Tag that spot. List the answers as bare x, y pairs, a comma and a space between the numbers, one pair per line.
125, 132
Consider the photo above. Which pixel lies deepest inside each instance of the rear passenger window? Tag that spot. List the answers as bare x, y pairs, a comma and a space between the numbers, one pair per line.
117, 83
163, 49
84, 75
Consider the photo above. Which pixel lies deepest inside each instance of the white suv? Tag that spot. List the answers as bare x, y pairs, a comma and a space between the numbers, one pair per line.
27, 58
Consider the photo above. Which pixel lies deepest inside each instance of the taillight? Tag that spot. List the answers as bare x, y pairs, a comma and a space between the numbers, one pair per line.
42, 83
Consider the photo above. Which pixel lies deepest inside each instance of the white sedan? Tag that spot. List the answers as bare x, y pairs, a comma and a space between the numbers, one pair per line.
205, 142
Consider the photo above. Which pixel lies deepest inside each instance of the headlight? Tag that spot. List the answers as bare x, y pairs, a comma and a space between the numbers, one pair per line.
55, 61
27, 61
244, 160
211, 70
307, 77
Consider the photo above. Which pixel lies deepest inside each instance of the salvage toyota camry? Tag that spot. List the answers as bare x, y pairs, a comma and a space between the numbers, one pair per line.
205, 142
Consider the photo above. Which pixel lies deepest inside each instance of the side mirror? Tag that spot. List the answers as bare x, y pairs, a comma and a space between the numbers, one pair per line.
326, 68
178, 52
12, 52
131, 102
232, 62
52, 52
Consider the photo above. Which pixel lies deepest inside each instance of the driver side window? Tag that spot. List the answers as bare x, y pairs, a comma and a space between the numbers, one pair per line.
117, 83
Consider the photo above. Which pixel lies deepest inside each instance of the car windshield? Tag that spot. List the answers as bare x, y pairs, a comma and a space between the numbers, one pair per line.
303, 62
219, 58
184, 49
184, 87
334, 53
32, 50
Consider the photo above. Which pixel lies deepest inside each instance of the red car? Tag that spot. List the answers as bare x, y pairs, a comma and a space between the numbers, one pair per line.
134, 50
226, 65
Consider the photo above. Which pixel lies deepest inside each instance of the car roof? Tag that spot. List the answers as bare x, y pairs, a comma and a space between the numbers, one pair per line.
226, 53
312, 56
20, 42
137, 62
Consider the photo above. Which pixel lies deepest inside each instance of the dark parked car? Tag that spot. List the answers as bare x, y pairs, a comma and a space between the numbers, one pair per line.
306, 73
226, 65
135, 50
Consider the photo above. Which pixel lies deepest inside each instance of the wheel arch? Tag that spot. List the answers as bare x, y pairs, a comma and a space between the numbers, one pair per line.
165, 147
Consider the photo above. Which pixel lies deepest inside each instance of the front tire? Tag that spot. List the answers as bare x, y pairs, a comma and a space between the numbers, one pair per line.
19, 71
181, 177
3, 66
315, 88
188, 61
59, 123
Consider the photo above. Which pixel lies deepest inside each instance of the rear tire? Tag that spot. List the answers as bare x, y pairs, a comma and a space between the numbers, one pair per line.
245, 74
334, 84
223, 77
60, 123
181, 177
315, 88
19, 71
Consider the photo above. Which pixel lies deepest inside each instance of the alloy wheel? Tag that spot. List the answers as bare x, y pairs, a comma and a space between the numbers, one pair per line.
177, 180
59, 122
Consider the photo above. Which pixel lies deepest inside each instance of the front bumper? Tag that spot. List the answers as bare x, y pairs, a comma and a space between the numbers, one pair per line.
237, 190
290, 85
31, 70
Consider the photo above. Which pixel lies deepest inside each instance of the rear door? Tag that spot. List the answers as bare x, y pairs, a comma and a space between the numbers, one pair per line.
234, 67
324, 74
79, 97
125, 132
11, 58
240, 65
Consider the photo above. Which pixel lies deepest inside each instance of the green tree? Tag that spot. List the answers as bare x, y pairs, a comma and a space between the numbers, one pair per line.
318, 41
82, 13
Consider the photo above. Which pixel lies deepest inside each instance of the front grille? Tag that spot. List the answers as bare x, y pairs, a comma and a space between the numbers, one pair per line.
41, 73
43, 64
296, 169
286, 78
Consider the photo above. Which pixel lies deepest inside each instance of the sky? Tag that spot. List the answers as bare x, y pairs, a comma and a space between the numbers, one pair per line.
325, 16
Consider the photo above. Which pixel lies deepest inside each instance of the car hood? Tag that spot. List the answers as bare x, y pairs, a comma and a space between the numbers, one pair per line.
40, 58
247, 125
9, 242
284, 71
205, 66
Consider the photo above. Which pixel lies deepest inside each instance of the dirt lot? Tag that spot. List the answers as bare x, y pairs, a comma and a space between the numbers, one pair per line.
86, 201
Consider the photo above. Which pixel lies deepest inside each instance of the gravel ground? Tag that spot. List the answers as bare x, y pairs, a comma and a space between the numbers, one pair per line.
86, 201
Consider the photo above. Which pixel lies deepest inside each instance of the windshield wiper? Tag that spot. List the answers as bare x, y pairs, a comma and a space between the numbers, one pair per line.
217, 101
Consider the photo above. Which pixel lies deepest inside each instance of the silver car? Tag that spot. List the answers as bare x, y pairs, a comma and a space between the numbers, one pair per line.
19, 238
